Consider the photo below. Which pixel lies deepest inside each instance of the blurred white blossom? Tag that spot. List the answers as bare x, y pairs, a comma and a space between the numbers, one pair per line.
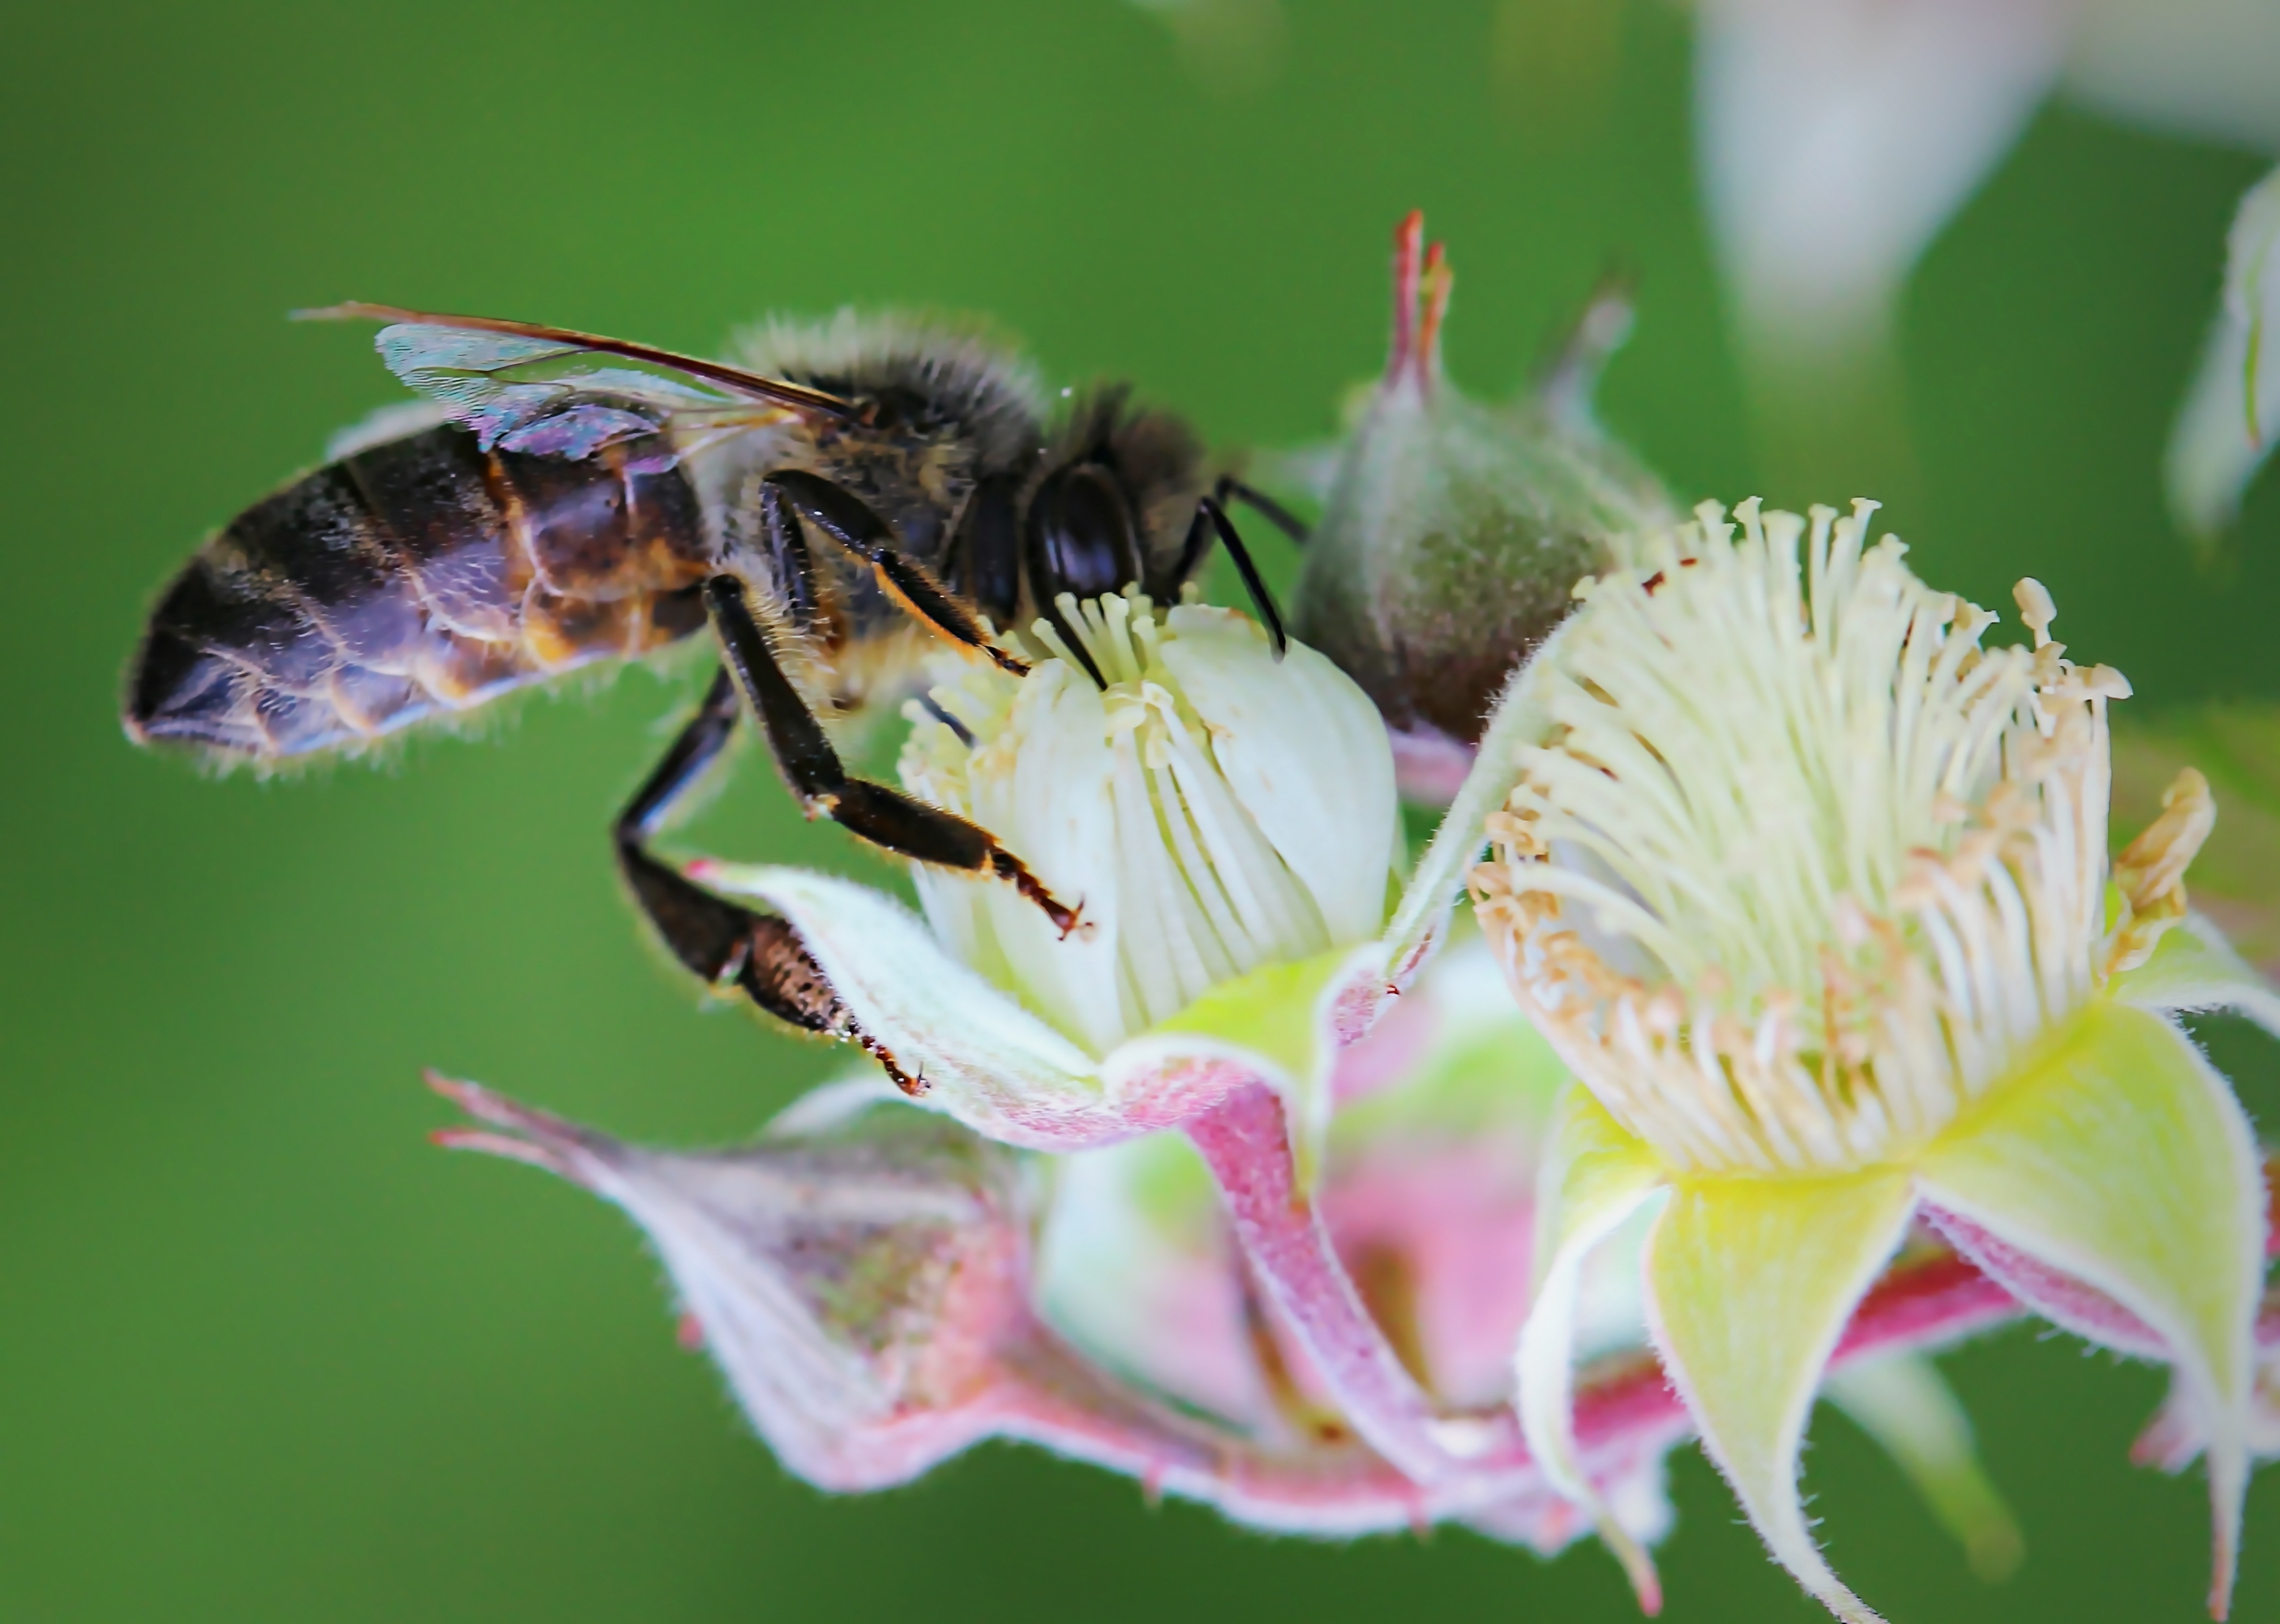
2231, 415
1835, 139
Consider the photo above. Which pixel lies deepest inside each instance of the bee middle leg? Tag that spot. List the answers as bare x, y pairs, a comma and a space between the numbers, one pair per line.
1228, 488
716, 941
818, 781
850, 522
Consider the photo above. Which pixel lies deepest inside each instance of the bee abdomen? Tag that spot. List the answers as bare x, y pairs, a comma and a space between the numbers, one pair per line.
417, 577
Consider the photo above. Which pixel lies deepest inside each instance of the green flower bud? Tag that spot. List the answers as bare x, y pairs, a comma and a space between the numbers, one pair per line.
1455, 528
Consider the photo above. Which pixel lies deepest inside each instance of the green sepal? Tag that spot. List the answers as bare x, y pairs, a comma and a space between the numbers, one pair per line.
1594, 1175
2118, 1156
1750, 1282
2193, 969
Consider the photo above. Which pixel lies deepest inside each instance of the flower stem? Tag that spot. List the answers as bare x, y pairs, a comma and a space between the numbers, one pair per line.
1245, 1141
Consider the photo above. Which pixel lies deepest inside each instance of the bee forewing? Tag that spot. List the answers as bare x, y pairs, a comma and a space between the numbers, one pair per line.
552, 391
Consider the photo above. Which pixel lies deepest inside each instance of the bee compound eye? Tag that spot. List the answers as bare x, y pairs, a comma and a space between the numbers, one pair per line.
1085, 539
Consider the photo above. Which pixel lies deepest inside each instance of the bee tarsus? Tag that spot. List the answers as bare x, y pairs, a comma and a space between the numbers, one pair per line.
721, 944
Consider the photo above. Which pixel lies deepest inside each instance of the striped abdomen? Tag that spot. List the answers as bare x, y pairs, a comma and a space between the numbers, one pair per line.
419, 576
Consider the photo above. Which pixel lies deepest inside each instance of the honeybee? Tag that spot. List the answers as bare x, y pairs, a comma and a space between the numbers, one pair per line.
848, 495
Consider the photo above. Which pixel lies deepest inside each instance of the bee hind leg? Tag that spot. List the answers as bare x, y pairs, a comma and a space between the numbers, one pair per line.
818, 780
711, 938
721, 944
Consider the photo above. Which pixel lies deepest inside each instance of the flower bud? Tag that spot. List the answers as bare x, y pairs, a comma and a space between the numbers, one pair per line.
1454, 529
854, 1273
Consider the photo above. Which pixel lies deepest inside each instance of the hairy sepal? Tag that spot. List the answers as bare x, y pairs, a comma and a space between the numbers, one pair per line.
2194, 970
1595, 1174
2119, 1157
1750, 1282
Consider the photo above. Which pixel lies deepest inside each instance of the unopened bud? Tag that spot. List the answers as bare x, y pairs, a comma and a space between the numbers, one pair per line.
853, 1274
1456, 532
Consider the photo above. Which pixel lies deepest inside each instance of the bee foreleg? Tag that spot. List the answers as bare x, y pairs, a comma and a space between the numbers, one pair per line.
1211, 516
813, 771
850, 523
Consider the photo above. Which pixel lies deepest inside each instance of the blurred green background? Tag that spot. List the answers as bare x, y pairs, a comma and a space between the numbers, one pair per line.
264, 1353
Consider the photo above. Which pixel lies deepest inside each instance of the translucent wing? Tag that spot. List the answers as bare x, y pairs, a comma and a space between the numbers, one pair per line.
552, 392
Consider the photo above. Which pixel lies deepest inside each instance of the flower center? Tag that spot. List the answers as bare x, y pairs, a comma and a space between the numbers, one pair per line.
1801, 866
1214, 810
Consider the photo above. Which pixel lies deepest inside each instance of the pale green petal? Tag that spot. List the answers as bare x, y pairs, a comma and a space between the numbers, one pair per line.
1595, 1174
984, 1058
2121, 1159
1304, 753
1902, 1402
2194, 968
1750, 1282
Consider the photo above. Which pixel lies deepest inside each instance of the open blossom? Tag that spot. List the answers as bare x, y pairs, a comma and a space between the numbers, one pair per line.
882, 1288
1227, 818
1810, 889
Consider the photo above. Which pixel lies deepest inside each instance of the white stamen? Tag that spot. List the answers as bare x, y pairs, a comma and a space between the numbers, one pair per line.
1869, 850
1129, 800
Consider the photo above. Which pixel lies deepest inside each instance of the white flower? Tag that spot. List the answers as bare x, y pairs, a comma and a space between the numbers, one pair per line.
1837, 137
1810, 889
1227, 820
1215, 809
